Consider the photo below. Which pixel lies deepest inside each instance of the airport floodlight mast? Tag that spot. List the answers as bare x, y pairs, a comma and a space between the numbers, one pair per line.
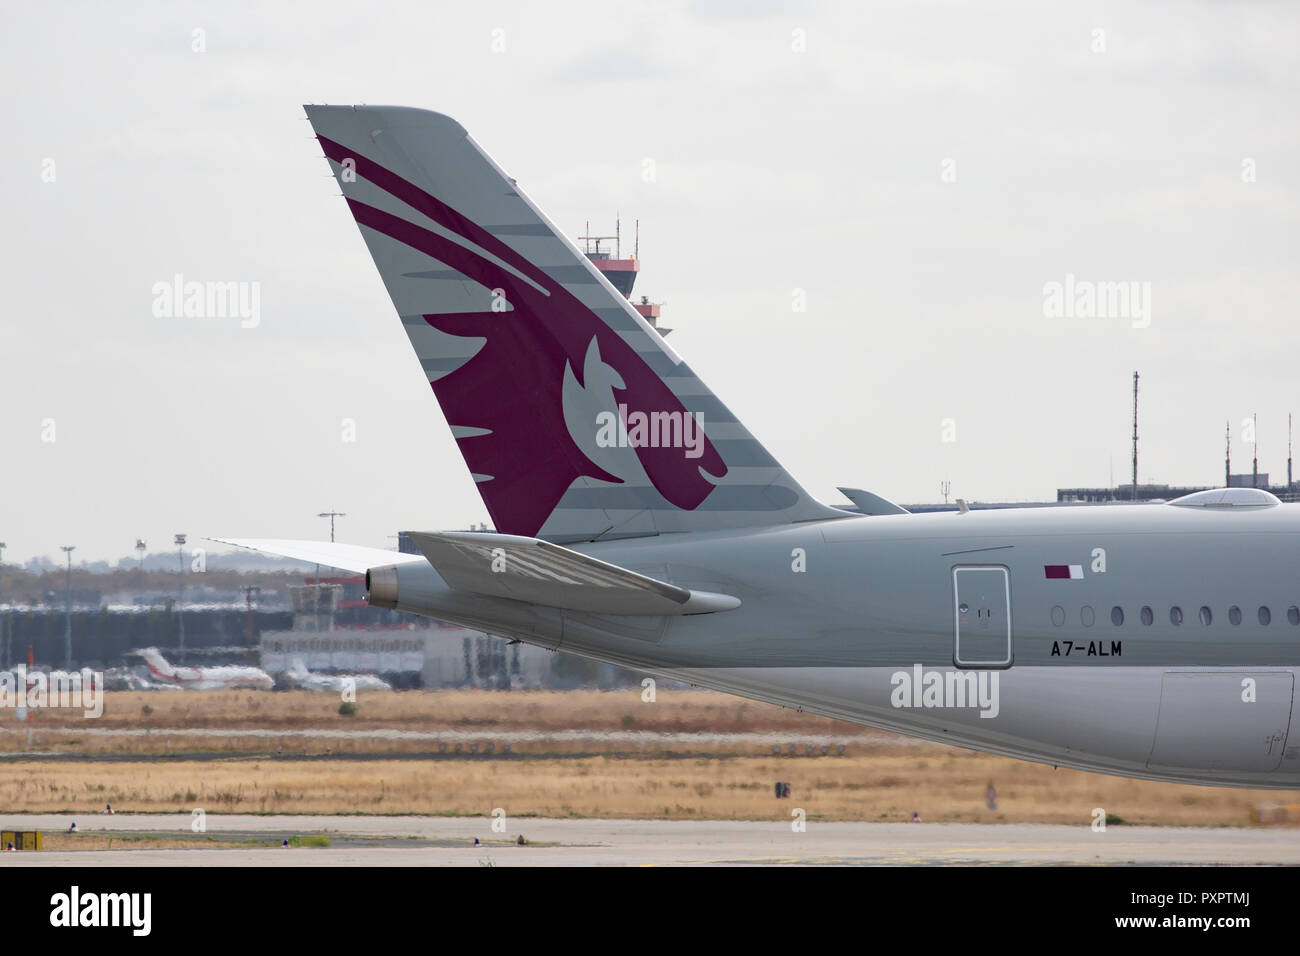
67, 609
179, 541
251, 591
141, 547
332, 515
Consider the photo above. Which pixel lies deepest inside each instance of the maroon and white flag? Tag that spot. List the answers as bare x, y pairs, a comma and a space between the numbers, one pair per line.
1066, 572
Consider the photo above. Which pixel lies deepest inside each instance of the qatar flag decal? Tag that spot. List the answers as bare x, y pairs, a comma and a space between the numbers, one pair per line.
1065, 572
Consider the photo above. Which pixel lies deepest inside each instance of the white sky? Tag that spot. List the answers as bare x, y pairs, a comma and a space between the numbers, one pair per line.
777, 170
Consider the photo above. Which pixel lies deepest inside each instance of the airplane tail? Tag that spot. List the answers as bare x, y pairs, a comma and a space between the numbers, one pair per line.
158, 665
575, 418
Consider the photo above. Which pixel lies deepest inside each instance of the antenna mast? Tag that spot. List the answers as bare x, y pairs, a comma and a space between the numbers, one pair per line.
1135, 436
1254, 467
1227, 455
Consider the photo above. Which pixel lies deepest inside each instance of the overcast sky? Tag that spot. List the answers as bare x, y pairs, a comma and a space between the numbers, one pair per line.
920, 172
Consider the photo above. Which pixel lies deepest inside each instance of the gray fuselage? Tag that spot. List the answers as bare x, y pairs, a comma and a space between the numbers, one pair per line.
1018, 632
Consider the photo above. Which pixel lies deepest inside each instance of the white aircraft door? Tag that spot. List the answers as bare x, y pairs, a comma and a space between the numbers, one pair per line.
982, 616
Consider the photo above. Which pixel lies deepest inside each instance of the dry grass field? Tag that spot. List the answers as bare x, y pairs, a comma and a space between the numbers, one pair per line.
879, 777
689, 710
945, 785
147, 723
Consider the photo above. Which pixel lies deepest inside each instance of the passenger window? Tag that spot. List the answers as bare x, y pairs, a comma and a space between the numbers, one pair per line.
1117, 615
1234, 615
1086, 616
1207, 617
1265, 616
1147, 616
1175, 616
1293, 615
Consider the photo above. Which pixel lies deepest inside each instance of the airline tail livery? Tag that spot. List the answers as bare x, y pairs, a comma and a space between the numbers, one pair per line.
639, 523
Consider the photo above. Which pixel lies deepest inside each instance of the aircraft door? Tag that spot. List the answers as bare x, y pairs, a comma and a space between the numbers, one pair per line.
982, 616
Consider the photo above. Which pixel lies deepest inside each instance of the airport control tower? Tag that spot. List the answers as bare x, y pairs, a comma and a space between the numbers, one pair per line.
619, 271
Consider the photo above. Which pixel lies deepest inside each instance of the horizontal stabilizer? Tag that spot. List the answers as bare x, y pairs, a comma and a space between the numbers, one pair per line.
536, 571
347, 557
871, 504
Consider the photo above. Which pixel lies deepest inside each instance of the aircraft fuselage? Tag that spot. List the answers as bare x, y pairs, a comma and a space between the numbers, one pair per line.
1153, 641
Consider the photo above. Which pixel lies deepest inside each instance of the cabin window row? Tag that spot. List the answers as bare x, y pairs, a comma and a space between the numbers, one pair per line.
1205, 615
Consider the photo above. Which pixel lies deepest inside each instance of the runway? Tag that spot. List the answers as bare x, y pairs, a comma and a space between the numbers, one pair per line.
439, 841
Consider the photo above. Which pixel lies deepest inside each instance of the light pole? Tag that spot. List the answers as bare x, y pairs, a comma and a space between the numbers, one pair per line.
67, 609
141, 547
331, 514
249, 591
179, 541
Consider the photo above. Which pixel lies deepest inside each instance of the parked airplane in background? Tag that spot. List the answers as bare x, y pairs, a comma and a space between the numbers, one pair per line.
203, 678
298, 676
640, 523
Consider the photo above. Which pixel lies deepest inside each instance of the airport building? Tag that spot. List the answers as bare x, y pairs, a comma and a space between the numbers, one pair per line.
428, 655
621, 272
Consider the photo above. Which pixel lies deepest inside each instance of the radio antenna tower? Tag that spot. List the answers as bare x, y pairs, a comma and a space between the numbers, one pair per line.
1227, 455
1135, 436
1288, 451
1254, 467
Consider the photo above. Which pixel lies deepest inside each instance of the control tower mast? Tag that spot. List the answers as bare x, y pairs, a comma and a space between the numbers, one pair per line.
621, 272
